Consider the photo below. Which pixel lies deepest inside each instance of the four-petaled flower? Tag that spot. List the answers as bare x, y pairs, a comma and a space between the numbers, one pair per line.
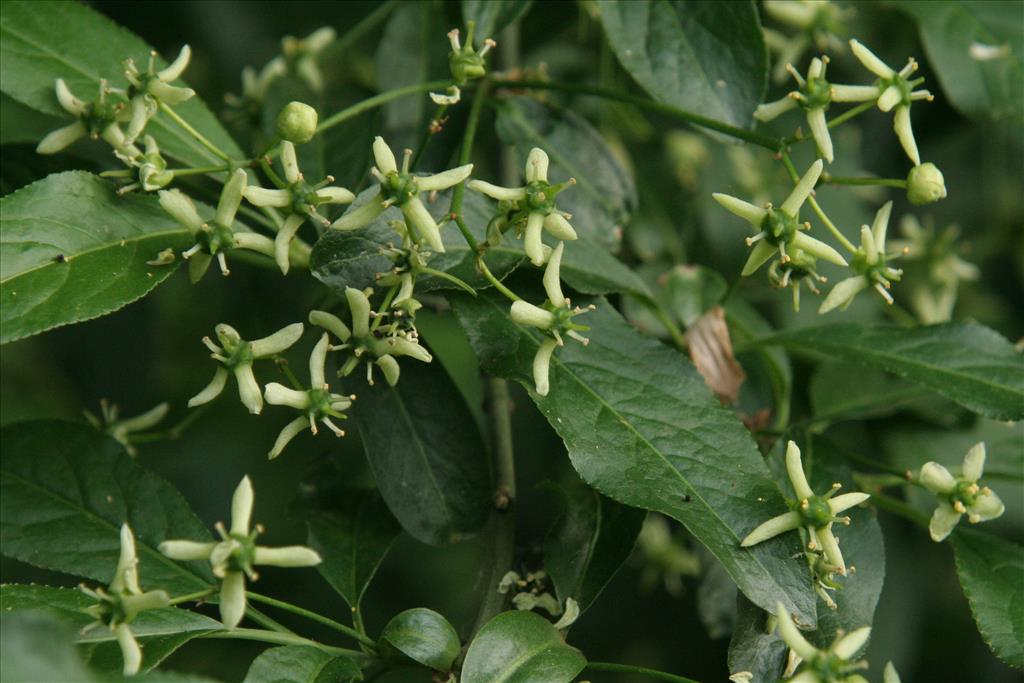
318, 403
381, 346
820, 23
533, 205
554, 318
779, 229
961, 495
118, 606
870, 264
302, 54
895, 92
402, 189
97, 119
301, 198
120, 429
232, 558
831, 665
237, 356
465, 62
149, 88
213, 238
814, 96
815, 514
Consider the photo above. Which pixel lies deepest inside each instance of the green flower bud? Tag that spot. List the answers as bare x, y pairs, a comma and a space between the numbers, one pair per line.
925, 184
297, 123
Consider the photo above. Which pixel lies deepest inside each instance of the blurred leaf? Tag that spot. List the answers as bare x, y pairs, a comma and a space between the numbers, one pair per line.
691, 291
844, 391
706, 57
426, 454
23, 123
42, 42
752, 647
65, 490
37, 649
965, 362
716, 599
73, 250
298, 664
604, 197
352, 537
491, 16
991, 572
424, 636
159, 631
642, 428
976, 50
745, 323
520, 647
588, 543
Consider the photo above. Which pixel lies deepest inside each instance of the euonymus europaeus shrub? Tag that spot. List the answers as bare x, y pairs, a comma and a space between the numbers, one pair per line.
510, 206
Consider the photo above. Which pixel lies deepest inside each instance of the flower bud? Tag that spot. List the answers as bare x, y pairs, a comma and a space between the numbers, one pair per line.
925, 184
297, 123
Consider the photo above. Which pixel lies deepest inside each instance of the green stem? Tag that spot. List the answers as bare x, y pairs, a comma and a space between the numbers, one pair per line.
847, 244
283, 639
384, 306
263, 620
191, 597
898, 507
200, 170
302, 612
467, 151
498, 284
376, 101
851, 180
643, 671
174, 432
678, 338
428, 136
503, 519
449, 277
194, 133
750, 136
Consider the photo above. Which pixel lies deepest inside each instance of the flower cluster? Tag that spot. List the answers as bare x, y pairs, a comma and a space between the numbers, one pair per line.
234, 556
832, 665
815, 516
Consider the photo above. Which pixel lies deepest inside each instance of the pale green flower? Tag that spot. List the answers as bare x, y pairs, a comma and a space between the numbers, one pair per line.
870, 263
832, 665
236, 356
554, 318
380, 347
815, 514
118, 606
318, 403
121, 428
533, 206
97, 119
232, 559
403, 189
960, 495
780, 229
895, 93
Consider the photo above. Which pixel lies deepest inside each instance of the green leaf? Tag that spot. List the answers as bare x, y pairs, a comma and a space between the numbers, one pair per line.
752, 647
299, 664
991, 572
642, 428
37, 649
159, 631
65, 490
352, 538
426, 454
588, 543
520, 647
73, 250
706, 57
23, 123
716, 598
491, 16
987, 89
966, 362
41, 42
424, 636
604, 196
